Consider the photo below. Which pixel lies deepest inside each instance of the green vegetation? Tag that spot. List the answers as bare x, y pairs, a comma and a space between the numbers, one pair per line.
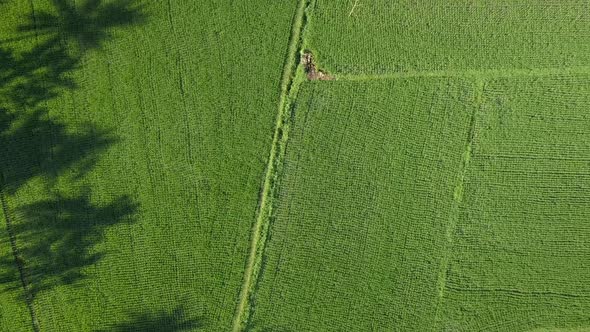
521, 244
298, 165
364, 205
134, 140
382, 36
440, 185
432, 204
292, 77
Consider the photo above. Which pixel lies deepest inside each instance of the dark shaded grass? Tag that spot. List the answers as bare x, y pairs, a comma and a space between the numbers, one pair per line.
56, 236
164, 321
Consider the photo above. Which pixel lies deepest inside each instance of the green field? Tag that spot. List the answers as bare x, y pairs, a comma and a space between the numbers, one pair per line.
521, 244
368, 193
169, 165
382, 36
134, 141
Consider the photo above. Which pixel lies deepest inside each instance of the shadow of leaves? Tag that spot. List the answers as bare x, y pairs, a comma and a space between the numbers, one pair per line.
34, 146
89, 23
163, 321
58, 235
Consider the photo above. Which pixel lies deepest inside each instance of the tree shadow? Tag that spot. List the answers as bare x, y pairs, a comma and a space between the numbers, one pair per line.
90, 23
160, 321
31, 77
258, 327
34, 146
57, 236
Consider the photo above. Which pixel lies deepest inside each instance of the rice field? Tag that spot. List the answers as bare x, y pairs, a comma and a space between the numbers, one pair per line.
297, 165
358, 238
521, 242
382, 37
133, 141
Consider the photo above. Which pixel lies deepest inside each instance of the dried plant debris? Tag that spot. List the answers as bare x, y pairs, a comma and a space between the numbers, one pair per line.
311, 69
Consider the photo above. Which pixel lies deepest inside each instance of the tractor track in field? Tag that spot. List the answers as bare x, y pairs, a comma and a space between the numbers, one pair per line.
459, 193
290, 80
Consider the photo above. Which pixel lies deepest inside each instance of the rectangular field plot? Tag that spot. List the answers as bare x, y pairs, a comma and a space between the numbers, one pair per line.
134, 137
365, 201
383, 36
521, 248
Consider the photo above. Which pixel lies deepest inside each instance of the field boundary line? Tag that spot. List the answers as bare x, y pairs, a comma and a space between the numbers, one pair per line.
18, 260
291, 78
483, 73
458, 196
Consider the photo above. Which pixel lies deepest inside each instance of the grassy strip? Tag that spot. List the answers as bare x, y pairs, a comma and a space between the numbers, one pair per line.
291, 79
480, 74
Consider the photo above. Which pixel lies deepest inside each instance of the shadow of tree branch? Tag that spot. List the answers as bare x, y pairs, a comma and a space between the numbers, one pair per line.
158, 321
89, 23
255, 327
57, 237
36, 75
36, 146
